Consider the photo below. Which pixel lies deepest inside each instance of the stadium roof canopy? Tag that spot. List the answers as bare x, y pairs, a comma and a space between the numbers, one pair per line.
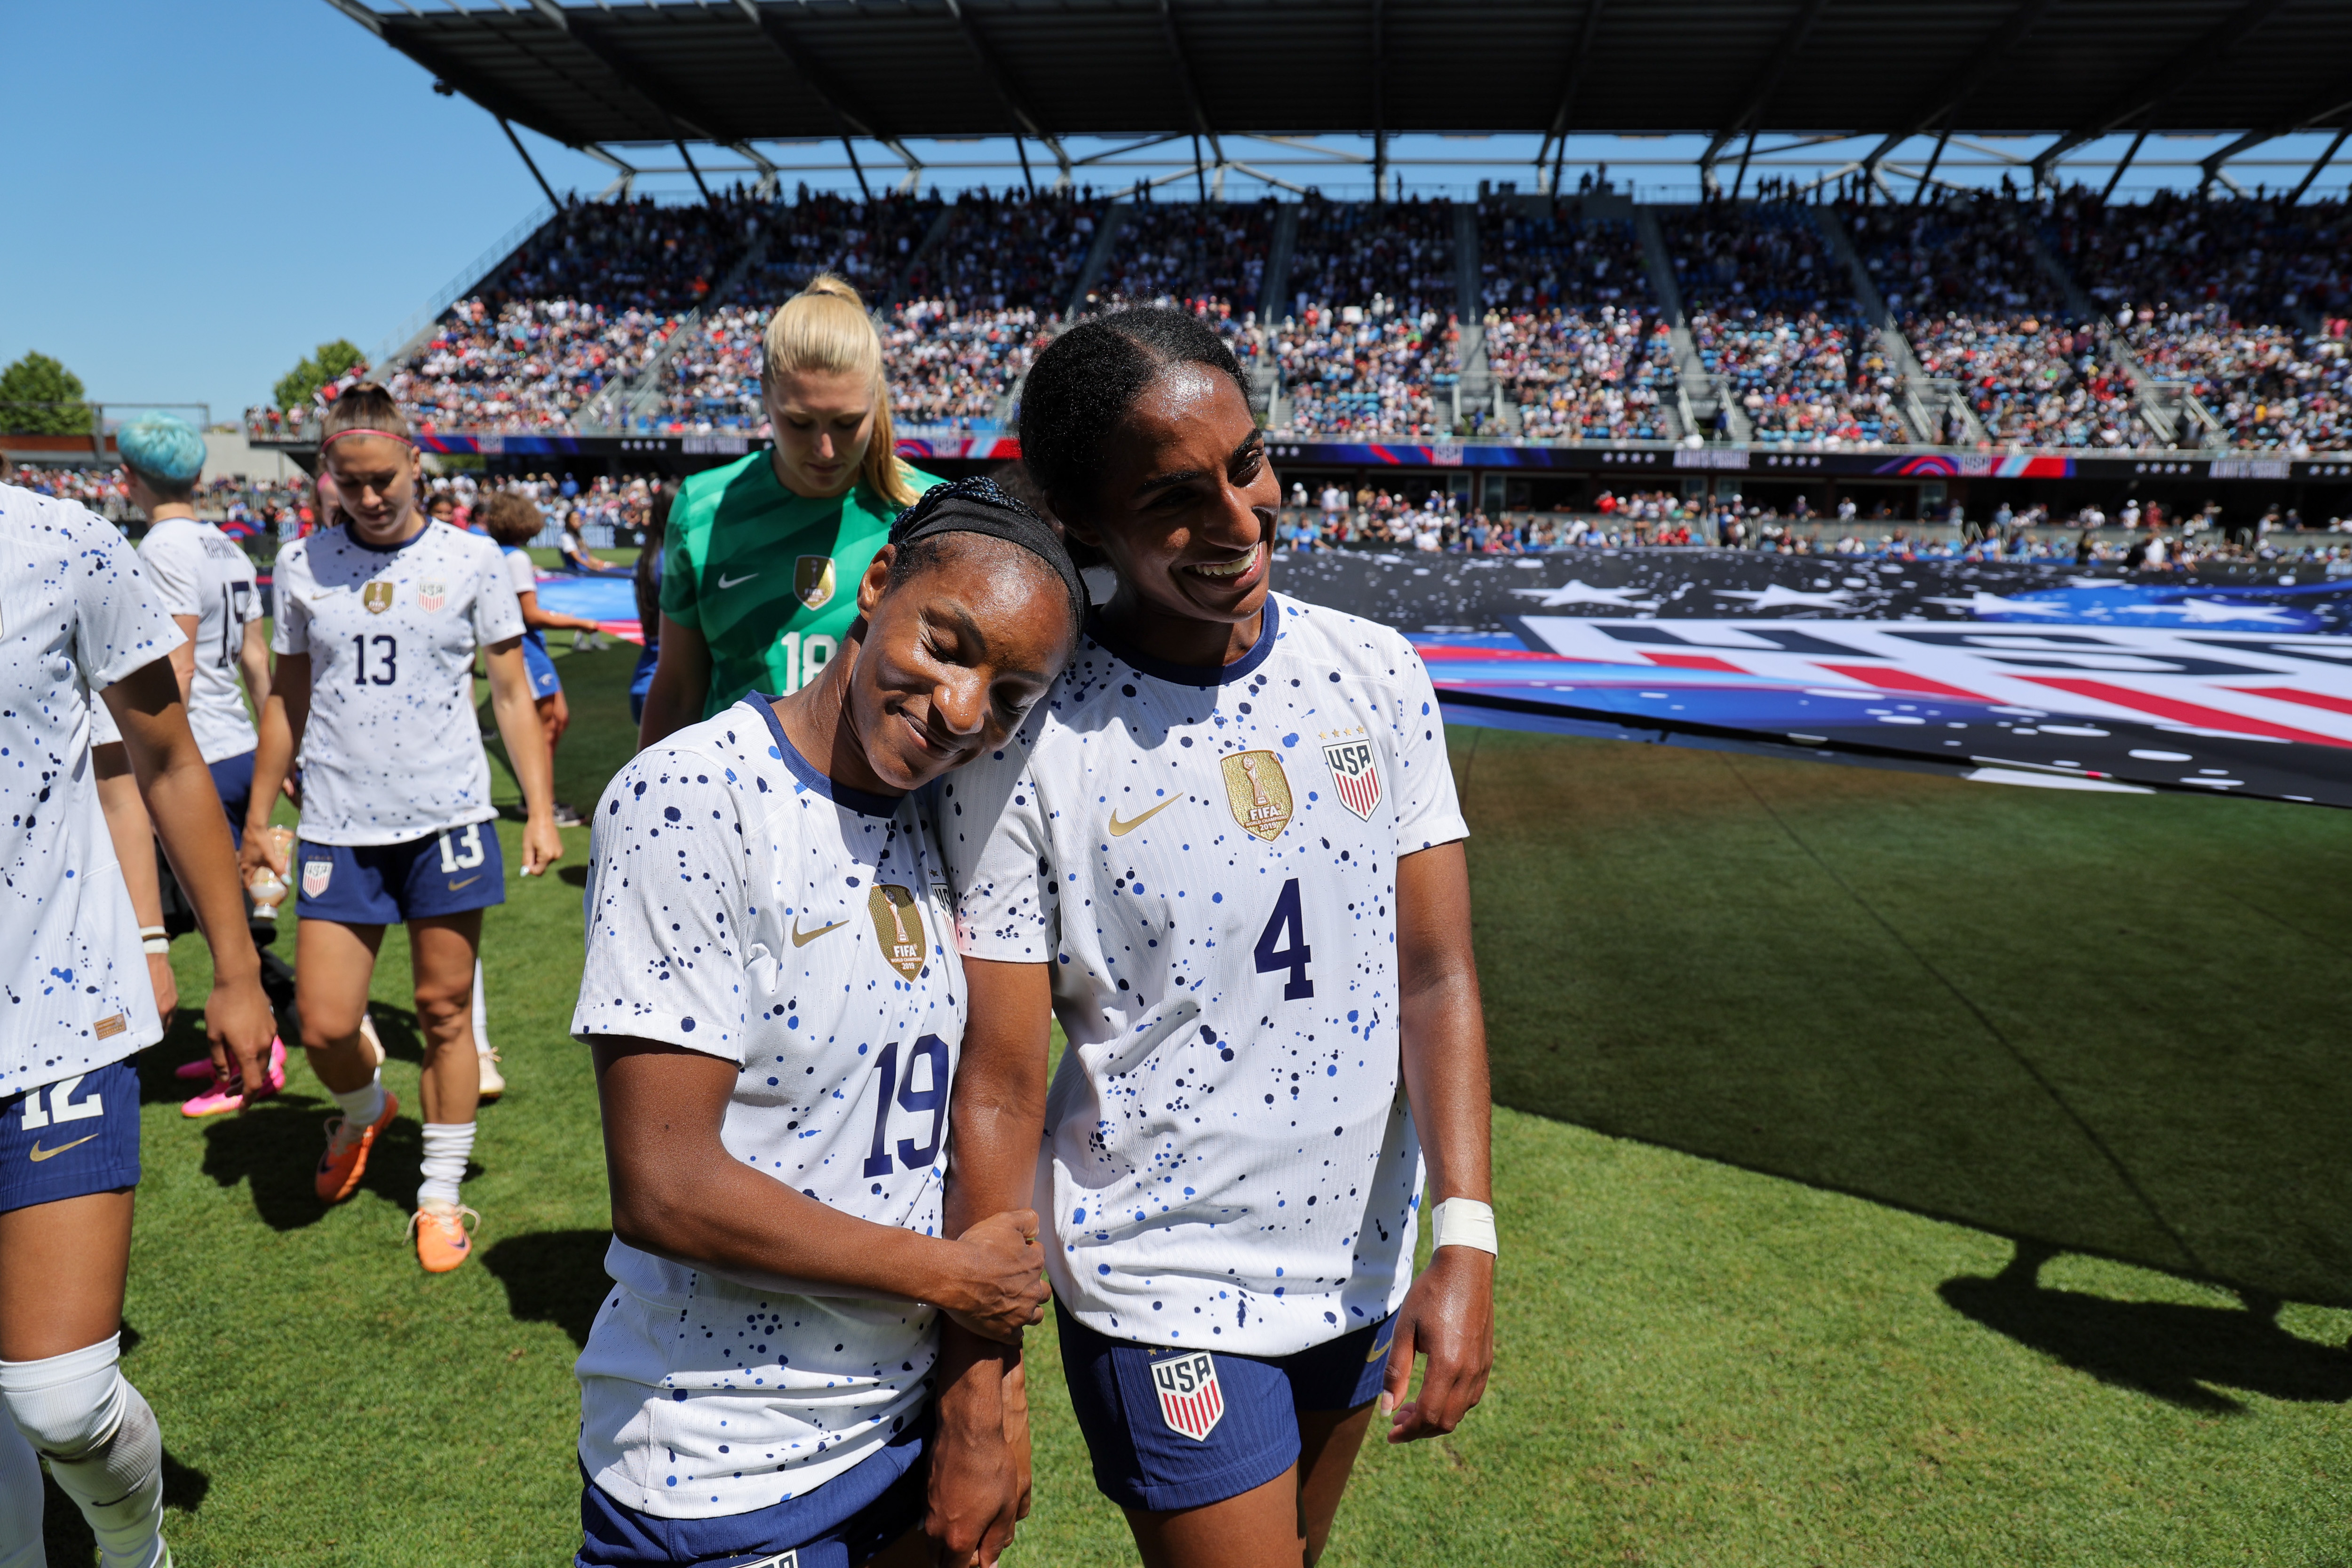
735, 72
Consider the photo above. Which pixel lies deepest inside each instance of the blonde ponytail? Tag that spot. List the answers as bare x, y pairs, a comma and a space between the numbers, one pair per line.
825, 329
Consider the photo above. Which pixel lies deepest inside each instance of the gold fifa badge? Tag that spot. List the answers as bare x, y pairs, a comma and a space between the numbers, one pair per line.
1259, 792
376, 596
814, 582
897, 926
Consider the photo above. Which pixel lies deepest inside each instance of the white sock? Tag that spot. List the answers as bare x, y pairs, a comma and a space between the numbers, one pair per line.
104, 1448
362, 1106
447, 1146
481, 1013
20, 1502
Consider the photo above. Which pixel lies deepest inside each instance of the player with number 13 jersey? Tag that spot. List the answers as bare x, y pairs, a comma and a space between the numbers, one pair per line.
378, 622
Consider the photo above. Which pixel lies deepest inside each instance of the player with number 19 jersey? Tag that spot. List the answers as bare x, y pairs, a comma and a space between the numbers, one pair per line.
1206, 860
393, 752
744, 906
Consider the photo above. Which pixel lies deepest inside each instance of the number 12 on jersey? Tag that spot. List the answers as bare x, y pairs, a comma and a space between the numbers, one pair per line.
1286, 923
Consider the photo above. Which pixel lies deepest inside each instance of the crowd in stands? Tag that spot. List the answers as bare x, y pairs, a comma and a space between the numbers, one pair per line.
2235, 310
1772, 315
1963, 277
1573, 336
1210, 254
2239, 304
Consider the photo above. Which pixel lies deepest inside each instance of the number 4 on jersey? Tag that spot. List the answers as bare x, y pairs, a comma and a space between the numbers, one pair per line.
1273, 959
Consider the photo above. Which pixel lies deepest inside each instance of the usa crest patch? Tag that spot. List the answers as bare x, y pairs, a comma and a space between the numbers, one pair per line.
1355, 775
315, 875
1190, 1400
431, 594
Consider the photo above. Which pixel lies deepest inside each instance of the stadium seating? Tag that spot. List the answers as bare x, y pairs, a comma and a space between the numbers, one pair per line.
2215, 323
1964, 282
1773, 316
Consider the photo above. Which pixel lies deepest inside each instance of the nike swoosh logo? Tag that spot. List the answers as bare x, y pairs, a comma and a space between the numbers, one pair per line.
461, 887
1121, 829
40, 1153
727, 582
1378, 1351
802, 938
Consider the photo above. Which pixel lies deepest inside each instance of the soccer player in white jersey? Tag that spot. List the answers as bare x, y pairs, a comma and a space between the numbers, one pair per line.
207, 583
778, 1017
1226, 849
76, 618
378, 622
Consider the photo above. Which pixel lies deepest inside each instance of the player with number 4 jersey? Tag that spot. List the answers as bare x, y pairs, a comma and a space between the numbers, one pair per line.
1226, 849
378, 624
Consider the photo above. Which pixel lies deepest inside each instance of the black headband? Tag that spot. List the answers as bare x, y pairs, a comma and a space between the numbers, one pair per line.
978, 506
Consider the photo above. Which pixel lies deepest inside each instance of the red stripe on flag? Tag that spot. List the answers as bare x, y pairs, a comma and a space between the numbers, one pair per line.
1694, 661
2308, 698
2181, 712
1890, 680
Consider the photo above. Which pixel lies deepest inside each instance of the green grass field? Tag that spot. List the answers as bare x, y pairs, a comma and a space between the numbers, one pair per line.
1891, 1170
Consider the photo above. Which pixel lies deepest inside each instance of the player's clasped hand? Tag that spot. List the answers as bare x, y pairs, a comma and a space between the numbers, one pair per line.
1002, 1286
1449, 1317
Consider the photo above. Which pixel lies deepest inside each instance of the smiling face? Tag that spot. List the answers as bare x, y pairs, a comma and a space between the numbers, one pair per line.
375, 484
954, 656
1184, 504
824, 421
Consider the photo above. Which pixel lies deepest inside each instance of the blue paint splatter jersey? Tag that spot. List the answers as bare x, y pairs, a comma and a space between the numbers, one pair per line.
393, 752
743, 906
1207, 858
76, 616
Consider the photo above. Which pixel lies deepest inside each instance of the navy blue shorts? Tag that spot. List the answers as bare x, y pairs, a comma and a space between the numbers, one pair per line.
71, 1138
539, 665
641, 681
446, 873
843, 1522
1173, 1429
232, 782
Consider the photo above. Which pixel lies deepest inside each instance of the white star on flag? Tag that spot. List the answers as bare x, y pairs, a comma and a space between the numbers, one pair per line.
1983, 604
2207, 612
1576, 590
1777, 595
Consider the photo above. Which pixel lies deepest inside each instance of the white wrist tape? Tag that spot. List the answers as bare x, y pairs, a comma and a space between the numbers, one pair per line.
156, 944
1463, 1222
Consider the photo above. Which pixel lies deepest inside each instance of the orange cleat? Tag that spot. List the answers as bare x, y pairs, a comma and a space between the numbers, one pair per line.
345, 1161
442, 1240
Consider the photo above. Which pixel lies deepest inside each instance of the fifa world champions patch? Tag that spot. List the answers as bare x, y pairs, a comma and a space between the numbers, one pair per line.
1258, 791
1190, 1400
1355, 775
815, 580
316, 874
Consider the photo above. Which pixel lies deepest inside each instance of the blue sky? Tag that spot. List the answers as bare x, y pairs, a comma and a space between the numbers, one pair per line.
198, 192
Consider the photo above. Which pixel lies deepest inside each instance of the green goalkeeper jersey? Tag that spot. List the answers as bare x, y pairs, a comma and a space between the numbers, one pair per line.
767, 577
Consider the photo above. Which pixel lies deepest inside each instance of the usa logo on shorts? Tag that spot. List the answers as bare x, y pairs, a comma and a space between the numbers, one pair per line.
1190, 1400
315, 875
1354, 775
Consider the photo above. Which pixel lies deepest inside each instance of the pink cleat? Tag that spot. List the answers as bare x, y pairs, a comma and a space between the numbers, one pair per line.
199, 1070
224, 1094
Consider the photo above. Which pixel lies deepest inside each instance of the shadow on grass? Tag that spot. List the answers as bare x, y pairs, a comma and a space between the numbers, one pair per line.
65, 1534
2110, 1023
553, 1276
2177, 1352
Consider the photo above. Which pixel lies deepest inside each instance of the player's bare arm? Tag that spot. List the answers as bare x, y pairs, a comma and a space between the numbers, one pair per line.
185, 807
980, 1472
283, 718
677, 1192
1449, 1314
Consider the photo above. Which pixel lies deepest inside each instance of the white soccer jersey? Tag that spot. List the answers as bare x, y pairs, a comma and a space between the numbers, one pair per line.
741, 905
199, 570
74, 616
1207, 860
392, 751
